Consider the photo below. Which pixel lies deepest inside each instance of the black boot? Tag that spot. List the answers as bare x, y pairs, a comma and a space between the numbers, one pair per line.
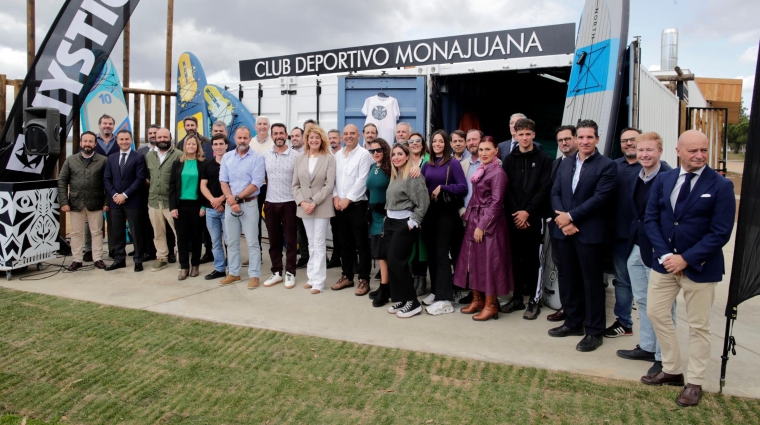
381, 298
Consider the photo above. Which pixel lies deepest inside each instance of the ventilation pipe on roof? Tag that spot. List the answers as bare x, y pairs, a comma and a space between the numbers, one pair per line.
669, 49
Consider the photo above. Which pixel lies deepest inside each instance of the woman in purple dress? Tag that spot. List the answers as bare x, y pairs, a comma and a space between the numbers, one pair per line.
485, 260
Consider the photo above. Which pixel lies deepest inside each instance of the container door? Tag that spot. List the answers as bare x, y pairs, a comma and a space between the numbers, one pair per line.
408, 91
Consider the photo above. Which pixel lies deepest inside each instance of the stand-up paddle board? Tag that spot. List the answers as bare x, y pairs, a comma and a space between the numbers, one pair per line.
596, 78
190, 83
222, 105
549, 275
105, 97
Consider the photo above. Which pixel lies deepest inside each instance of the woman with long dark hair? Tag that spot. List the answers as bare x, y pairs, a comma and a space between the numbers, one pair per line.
406, 201
447, 187
377, 183
186, 205
485, 258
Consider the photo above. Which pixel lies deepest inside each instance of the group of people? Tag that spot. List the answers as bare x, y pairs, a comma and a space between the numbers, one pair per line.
470, 211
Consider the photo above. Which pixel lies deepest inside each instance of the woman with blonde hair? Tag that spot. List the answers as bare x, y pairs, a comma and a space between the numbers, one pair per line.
406, 202
186, 205
313, 182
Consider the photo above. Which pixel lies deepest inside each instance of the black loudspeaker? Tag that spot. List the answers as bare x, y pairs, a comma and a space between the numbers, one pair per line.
42, 131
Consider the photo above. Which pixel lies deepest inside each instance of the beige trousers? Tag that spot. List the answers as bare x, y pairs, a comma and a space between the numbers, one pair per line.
95, 220
157, 216
699, 297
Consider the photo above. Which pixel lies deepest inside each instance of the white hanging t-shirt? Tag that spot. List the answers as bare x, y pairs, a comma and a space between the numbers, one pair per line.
384, 113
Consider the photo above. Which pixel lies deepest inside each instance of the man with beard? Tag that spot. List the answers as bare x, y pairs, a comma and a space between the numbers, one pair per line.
150, 248
241, 175
191, 127
627, 166
333, 138
159, 164
151, 145
296, 139
369, 133
81, 193
105, 145
280, 208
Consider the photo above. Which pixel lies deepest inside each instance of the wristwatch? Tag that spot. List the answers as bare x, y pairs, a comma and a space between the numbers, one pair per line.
237, 199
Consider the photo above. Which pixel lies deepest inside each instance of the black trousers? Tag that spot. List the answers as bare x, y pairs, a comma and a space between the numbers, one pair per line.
438, 229
353, 229
335, 237
280, 218
525, 244
303, 240
399, 241
119, 217
262, 199
581, 288
188, 227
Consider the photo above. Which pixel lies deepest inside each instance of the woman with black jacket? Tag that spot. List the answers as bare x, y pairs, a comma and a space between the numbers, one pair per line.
525, 204
186, 205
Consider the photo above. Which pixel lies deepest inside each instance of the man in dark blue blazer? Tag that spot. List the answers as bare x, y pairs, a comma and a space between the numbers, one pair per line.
639, 248
124, 177
581, 197
689, 218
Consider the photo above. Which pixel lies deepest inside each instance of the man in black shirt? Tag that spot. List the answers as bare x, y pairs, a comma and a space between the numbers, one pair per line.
212, 191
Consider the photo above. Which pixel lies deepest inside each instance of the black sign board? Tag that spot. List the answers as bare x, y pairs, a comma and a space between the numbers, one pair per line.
508, 44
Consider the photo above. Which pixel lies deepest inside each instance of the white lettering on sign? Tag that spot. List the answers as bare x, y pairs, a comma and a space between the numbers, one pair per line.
417, 49
485, 51
300, 65
533, 42
387, 56
59, 80
511, 41
402, 57
496, 43
437, 49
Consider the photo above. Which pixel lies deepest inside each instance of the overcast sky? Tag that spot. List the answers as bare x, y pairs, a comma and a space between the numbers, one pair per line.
718, 38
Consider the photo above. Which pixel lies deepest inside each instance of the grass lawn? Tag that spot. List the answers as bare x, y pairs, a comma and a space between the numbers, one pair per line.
64, 361
735, 156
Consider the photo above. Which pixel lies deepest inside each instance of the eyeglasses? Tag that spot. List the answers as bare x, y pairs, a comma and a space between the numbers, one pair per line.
565, 140
631, 140
374, 151
415, 140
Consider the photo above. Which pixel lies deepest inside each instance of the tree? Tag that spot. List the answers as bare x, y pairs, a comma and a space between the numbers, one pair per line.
738, 133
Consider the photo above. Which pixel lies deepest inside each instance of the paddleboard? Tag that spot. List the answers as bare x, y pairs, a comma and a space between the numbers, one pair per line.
190, 83
224, 106
105, 97
596, 77
549, 275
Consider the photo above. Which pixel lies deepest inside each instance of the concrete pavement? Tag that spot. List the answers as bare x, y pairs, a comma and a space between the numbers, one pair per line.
343, 316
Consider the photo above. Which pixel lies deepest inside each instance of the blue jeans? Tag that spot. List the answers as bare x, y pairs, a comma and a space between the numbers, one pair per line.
623, 294
215, 224
639, 274
248, 224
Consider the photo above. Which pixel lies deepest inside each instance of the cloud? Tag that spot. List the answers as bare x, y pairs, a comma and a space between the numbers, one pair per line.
749, 55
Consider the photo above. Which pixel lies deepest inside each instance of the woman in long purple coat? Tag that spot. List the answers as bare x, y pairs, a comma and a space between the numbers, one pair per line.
485, 259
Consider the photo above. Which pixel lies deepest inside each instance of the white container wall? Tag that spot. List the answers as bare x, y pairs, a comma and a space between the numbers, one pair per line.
658, 111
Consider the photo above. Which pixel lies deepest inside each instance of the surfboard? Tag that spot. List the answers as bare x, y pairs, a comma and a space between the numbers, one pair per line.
224, 106
596, 77
549, 275
105, 97
190, 83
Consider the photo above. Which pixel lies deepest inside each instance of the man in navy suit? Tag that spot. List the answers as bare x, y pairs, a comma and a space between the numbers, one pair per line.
124, 177
689, 218
581, 196
639, 248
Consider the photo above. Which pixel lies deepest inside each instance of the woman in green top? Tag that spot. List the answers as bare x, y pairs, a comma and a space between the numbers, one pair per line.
419, 155
186, 205
377, 183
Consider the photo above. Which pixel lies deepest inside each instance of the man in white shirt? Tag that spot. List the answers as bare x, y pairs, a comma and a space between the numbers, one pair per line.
280, 208
352, 166
261, 144
333, 138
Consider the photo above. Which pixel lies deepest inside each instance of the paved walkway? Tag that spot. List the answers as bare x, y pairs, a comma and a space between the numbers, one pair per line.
344, 316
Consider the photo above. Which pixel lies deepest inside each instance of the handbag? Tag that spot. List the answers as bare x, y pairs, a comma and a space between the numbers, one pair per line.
447, 198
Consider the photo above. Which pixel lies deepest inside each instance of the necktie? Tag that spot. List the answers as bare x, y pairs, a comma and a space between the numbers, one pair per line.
683, 193
124, 161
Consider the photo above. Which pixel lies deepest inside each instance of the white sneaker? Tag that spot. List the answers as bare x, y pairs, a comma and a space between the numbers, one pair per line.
429, 300
290, 281
440, 307
274, 280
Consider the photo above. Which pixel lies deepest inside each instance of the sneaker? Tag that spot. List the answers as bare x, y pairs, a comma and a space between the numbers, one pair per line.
429, 300
229, 279
616, 330
159, 265
342, 283
290, 280
636, 354
440, 307
532, 312
515, 304
274, 280
363, 288
411, 308
253, 283
396, 307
